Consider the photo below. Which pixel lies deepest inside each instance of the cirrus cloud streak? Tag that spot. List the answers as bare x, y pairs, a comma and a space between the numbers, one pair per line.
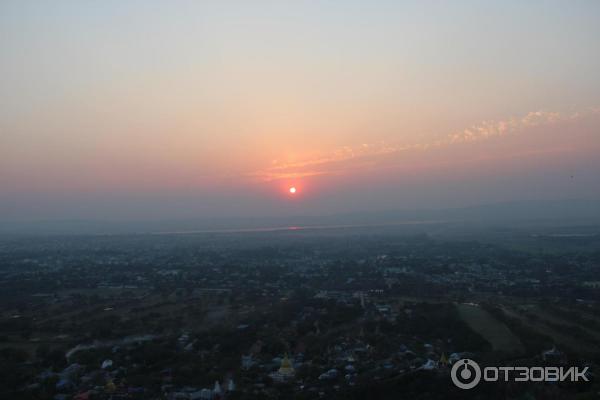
383, 155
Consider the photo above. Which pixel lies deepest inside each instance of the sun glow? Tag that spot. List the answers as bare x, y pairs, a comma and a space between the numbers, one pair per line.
292, 190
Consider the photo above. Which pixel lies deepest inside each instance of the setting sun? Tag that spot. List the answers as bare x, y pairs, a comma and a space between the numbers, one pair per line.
293, 190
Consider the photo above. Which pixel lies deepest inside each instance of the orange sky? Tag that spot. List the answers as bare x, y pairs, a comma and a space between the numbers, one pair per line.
219, 107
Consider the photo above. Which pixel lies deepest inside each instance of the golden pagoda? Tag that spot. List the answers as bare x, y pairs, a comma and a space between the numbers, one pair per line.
285, 372
443, 360
286, 369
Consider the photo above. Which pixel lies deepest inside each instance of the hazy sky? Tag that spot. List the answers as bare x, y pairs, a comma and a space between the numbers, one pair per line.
142, 109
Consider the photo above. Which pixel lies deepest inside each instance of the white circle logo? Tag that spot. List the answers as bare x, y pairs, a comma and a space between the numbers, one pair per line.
465, 374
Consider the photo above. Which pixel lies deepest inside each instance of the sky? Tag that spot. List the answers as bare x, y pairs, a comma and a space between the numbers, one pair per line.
181, 109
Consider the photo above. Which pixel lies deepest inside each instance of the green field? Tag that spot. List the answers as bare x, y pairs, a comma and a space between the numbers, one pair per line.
492, 330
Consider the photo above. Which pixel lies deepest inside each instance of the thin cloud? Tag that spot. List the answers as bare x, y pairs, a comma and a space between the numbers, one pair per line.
369, 153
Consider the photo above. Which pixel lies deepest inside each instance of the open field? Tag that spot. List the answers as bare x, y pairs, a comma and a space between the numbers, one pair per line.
494, 331
564, 332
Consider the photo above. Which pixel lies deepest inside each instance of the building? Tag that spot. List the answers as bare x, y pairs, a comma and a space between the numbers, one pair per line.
285, 372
